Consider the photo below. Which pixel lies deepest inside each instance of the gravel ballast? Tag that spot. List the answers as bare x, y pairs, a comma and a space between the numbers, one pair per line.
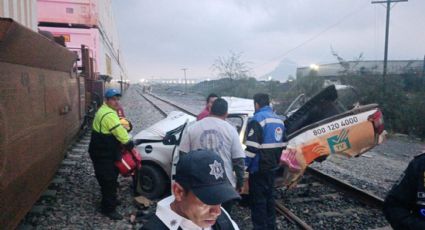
75, 202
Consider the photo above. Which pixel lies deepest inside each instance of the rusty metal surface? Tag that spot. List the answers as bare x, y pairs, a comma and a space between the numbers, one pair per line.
39, 116
32, 49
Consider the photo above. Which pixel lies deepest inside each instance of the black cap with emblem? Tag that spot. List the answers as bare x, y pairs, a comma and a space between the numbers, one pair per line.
202, 172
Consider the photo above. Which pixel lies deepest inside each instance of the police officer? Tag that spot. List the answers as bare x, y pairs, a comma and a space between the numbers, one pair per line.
200, 187
107, 136
404, 205
264, 144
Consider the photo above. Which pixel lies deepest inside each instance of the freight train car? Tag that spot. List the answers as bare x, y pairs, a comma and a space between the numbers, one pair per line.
106, 62
90, 23
41, 107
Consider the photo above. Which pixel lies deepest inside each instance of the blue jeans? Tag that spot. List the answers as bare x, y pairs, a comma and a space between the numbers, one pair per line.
262, 202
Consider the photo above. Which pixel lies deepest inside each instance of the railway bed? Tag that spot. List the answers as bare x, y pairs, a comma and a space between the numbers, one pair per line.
320, 201
72, 198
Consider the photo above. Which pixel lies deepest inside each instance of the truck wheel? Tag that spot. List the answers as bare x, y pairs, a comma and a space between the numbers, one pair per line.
153, 182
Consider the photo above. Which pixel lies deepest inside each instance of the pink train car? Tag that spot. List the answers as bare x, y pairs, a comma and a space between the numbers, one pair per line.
85, 22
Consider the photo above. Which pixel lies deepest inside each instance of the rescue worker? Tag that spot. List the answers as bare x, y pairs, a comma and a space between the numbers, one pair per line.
210, 100
216, 134
200, 187
105, 148
264, 144
404, 206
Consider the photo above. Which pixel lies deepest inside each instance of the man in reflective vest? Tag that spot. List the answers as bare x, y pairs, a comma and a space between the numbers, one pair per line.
107, 136
264, 144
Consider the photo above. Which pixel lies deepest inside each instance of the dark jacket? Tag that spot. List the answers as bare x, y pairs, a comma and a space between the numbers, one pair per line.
404, 205
265, 139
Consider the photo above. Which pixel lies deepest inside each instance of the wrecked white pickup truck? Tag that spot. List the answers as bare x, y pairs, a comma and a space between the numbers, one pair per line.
315, 128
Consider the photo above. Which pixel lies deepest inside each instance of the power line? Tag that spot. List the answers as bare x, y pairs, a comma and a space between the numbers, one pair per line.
387, 31
314, 37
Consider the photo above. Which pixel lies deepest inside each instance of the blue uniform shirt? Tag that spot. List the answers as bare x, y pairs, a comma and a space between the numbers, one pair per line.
265, 140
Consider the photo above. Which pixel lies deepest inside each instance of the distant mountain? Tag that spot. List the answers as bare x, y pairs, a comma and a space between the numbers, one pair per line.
282, 71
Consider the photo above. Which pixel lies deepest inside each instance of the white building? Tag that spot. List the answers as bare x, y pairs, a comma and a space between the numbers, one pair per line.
396, 67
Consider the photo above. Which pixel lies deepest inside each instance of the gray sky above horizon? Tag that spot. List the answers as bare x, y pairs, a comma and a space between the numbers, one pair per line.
158, 38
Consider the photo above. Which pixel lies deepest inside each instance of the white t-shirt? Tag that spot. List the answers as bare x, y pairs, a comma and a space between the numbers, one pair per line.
217, 135
173, 220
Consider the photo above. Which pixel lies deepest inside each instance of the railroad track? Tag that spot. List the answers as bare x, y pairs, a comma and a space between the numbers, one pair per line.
162, 105
320, 201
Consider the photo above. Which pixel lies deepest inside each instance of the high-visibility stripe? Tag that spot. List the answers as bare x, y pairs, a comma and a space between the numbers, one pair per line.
110, 130
265, 146
271, 121
252, 144
249, 154
272, 145
125, 164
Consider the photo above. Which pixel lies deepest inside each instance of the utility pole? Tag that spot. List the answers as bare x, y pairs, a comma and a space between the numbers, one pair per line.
185, 80
387, 30
423, 69
423, 76
120, 81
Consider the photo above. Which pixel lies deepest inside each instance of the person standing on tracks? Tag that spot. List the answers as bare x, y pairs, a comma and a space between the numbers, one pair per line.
404, 206
216, 134
107, 136
210, 100
200, 187
264, 143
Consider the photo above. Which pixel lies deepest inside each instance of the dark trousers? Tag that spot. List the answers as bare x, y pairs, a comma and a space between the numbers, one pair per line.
107, 175
261, 200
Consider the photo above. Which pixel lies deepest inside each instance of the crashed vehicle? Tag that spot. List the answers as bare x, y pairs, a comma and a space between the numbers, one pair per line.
316, 128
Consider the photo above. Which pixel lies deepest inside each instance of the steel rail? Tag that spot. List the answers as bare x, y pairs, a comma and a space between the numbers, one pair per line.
163, 113
361, 194
292, 217
172, 104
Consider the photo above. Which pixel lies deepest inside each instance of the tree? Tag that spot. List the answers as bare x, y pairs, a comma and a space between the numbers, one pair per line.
347, 67
231, 67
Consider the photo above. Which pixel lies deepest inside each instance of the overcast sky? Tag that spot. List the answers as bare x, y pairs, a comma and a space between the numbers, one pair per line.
158, 38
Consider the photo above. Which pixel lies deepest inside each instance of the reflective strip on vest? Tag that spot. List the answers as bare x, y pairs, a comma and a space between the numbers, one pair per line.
252, 144
271, 121
249, 154
272, 145
265, 145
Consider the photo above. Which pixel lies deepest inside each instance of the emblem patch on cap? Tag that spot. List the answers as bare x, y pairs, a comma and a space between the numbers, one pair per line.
216, 170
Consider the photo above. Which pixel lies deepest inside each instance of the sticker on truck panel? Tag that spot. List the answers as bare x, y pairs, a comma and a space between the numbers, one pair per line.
339, 143
313, 151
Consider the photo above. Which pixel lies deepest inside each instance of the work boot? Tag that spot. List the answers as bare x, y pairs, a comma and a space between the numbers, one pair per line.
114, 215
